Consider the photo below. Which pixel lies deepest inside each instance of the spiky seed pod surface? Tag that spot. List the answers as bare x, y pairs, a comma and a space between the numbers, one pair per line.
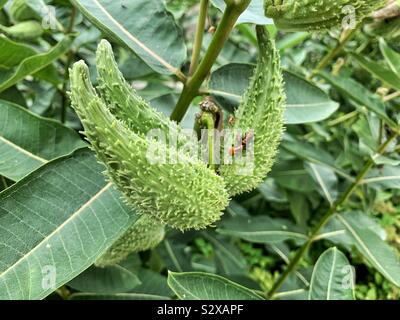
146, 233
184, 195
316, 15
260, 111
26, 30
128, 106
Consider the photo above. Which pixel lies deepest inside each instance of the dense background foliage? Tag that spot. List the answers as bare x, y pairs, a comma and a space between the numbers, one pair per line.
61, 213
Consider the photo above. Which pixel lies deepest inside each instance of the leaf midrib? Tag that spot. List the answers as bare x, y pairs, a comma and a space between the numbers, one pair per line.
24, 151
70, 218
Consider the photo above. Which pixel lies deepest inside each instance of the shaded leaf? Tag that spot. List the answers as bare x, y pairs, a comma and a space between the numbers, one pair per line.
146, 27
34, 64
392, 57
326, 179
152, 283
55, 223
203, 286
374, 249
359, 94
305, 102
229, 258
261, 229
333, 277
112, 279
386, 177
380, 71
28, 141
116, 296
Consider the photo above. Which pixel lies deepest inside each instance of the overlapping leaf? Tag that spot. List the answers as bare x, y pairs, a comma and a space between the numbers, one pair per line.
305, 102
146, 27
203, 286
55, 223
28, 141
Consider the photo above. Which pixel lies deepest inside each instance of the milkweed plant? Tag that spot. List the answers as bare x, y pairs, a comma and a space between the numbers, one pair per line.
204, 149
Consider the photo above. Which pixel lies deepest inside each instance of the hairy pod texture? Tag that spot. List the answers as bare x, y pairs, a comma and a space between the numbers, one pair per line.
185, 194
260, 112
146, 233
129, 107
316, 15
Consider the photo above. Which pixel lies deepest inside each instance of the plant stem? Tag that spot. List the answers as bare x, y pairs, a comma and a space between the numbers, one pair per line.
329, 214
346, 36
391, 96
190, 90
198, 40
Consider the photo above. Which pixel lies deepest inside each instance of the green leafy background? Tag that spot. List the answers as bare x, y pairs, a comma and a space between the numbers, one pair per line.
58, 214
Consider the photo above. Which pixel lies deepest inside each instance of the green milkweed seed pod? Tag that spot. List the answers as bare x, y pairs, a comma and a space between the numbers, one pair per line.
127, 105
260, 113
24, 31
20, 11
184, 195
145, 234
316, 15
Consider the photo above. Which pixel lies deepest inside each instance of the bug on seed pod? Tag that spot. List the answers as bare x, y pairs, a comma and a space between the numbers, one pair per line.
185, 194
258, 121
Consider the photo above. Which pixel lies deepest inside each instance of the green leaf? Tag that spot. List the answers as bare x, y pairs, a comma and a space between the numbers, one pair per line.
392, 57
261, 229
299, 207
12, 53
28, 141
373, 248
308, 152
146, 27
387, 177
379, 70
305, 102
55, 223
335, 232
116, 296
333, 277
283, 251
34, 64
326, 178
272, 192
152, 283
229, 258
253, 14
289, 175
359, 94
174, 255
112, 279
203, 286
